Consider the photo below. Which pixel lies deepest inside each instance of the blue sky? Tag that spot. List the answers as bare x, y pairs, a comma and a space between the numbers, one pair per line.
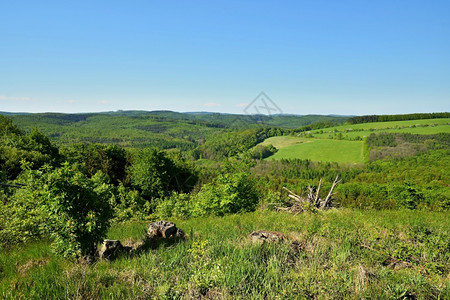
324, 57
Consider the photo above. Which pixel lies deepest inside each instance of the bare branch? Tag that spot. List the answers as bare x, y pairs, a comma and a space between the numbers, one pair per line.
327, 201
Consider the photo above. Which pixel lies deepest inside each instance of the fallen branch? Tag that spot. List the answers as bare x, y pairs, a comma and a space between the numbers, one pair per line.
312, 200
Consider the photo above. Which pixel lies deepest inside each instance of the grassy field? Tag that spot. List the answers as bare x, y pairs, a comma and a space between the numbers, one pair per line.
343, 144
341, 151
337, 254
429, 126
280, 142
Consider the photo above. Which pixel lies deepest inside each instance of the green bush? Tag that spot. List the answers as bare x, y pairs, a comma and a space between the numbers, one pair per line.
128, 204
407, 195
177, 205
64, 203
228, 193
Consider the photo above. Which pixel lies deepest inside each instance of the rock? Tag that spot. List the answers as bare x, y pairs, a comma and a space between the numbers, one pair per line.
266, 236
111, 249
396, 264
164, 229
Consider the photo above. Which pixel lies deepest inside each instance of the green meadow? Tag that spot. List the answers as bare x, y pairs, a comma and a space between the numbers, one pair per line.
427, 126
344, 144
338, 254
341, 151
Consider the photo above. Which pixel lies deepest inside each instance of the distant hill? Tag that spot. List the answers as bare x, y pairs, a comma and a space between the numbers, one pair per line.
164, 129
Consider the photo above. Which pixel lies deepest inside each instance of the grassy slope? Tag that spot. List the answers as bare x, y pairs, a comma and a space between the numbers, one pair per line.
427, 126
326, 147
340, 151
217, 260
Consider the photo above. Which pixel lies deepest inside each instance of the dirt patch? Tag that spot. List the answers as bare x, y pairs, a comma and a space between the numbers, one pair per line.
25, 268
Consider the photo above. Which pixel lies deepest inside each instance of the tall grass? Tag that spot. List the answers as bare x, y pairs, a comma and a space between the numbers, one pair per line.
217, 260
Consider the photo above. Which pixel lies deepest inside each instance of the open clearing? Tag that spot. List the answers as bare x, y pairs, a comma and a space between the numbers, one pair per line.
340, 151
343, 144
427, 126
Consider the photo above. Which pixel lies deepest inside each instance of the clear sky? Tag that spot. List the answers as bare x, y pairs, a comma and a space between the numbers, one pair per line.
324, 57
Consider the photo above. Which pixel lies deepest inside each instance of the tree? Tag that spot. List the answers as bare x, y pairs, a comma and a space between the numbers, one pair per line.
155, 174
112, 160
15, 147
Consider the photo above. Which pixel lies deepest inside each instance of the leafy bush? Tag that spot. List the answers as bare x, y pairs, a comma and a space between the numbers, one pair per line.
129, 204
228, 193
407, 195
72, 208
177, 205
261, 152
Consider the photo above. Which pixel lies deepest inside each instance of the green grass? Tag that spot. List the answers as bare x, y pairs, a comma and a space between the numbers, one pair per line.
428, 126
280, 142
217, 261
343, 144
329, 150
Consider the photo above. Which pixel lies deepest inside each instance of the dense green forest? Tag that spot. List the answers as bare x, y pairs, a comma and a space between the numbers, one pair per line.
162, 129
66, 178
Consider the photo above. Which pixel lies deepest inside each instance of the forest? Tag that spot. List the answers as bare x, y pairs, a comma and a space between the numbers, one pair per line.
70, 181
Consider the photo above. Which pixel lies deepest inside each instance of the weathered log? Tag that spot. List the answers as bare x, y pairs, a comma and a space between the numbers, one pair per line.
316, 200
313, 198
327, 201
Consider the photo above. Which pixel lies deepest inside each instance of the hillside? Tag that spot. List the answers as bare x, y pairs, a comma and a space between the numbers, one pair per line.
336, 254
385, 232
344, 143
164, 129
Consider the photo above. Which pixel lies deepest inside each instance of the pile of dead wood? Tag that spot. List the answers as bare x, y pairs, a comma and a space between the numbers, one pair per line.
298, 204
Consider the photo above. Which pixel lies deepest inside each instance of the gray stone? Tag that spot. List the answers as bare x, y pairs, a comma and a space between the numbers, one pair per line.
266, 236
164, 229
111, 249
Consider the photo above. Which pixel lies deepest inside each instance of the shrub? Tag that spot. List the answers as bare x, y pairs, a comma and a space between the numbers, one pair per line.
72, 208
407, 195
128, 204
177, 205
228, 193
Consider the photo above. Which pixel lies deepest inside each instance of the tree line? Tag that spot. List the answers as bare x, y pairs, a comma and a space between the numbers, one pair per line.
389, 118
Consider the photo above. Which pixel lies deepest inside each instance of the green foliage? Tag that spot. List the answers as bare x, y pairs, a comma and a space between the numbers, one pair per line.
22, 219
16, 146
228, 193
155, 174
394, 145
8, 128
378, 184
408, 195
73, 209
321, 258
112, 160
129, 204
263, 151
175, 206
